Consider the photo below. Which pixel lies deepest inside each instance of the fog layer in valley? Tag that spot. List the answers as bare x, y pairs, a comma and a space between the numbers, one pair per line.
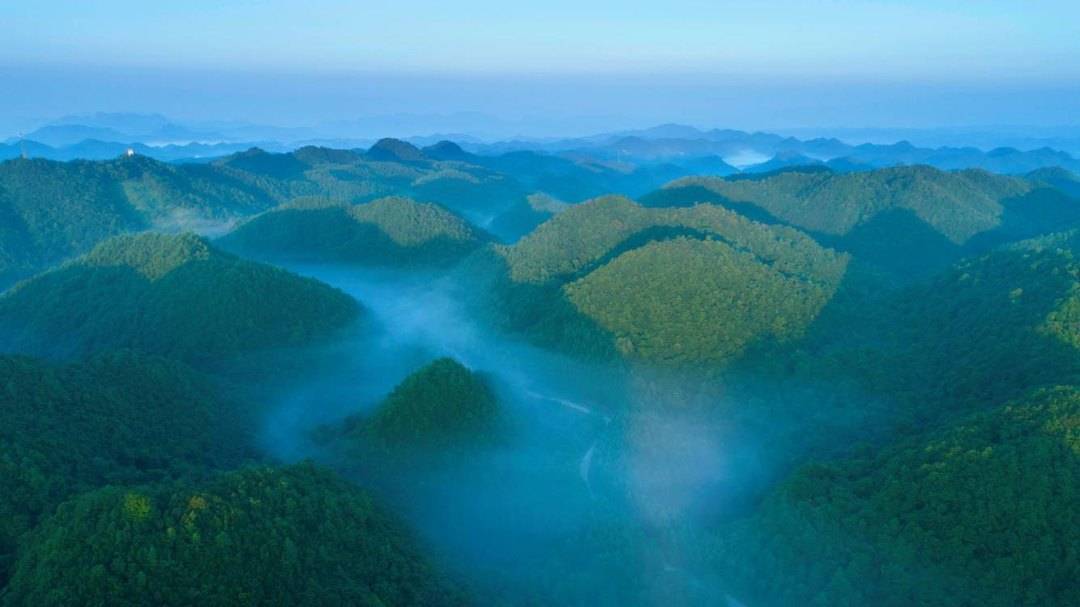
587, 468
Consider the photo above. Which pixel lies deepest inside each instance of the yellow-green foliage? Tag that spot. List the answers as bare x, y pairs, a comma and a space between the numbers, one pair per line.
261, 536
410, 223
687, 300
906, 223
584, 234
674, 285
152, 255
137, 506
1063, 322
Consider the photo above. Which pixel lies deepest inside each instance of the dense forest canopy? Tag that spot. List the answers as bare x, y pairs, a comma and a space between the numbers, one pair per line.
386, 232
54, 210
979, 513
909, 221
115, 418
684, 285
173, 295
442, 405
523, 377
266, 536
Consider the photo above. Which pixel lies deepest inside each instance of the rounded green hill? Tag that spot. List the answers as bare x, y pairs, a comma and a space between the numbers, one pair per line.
261, 536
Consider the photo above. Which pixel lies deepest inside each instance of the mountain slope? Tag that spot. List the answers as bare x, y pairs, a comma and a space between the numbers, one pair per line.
173, 295
908, 221
441, 404
388, 231
601, 276
987, 331
978, 513
694, 300
117, 418
50, 211
285, 536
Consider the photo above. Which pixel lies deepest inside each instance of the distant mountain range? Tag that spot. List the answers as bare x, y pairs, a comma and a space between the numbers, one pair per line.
716, 151
760, 152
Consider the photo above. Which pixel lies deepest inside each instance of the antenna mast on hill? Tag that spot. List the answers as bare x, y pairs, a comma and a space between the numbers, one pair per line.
22, 146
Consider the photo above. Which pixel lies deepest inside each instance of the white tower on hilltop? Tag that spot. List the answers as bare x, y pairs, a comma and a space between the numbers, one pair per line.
130, 152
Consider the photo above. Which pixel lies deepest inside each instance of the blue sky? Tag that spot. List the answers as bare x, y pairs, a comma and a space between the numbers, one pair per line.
798, 63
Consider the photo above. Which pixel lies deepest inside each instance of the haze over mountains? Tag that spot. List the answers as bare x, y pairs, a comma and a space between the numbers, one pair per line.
561, 303
606, 370
718, 151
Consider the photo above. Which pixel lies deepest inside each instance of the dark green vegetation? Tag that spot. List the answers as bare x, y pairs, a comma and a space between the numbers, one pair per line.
442, 405
388, 232
982, 513
680, 285
50, 211
906, 221
117, 418
982, 333
171, 295
682, 425
260, 536
482, 188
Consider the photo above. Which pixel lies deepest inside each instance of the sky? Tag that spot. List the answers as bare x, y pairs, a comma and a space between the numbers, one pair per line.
559, 64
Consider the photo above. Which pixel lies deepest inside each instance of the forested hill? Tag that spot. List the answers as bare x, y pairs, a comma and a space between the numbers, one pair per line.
907, 221
680, 286
986, 331
802, 387
386, 232
980, 513
441, 406
174, 295
265, 536
50, 211
115, 418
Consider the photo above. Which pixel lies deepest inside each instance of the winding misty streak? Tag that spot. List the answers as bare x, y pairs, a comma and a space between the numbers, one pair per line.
585, 464
569, 404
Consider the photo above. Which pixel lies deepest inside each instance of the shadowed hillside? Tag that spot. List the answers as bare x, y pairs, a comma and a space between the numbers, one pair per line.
388, 232
50, 211
977, 513
908, 221
282, 536
173, 295
117, 418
